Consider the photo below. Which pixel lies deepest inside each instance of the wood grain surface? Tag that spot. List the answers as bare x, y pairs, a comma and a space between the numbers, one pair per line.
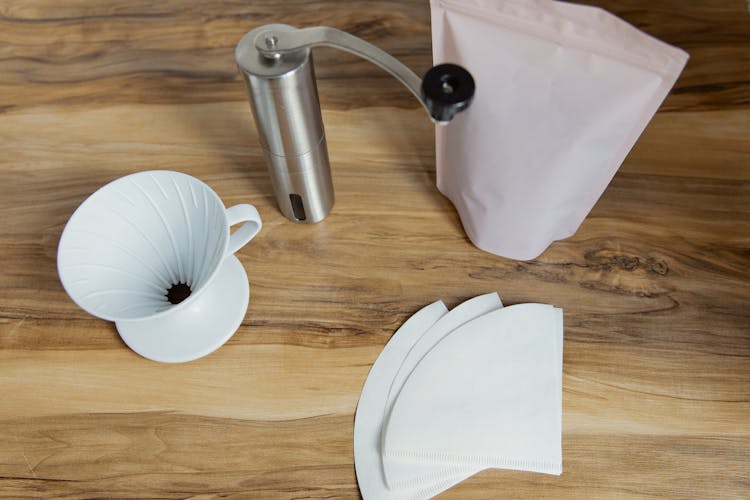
655, 284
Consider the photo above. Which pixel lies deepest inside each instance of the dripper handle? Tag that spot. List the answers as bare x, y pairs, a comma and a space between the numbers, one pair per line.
248, 215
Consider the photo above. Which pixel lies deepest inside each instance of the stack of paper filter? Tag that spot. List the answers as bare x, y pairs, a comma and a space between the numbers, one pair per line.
454, 393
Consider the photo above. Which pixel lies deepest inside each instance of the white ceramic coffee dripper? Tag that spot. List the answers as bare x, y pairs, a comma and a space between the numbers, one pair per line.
126, 247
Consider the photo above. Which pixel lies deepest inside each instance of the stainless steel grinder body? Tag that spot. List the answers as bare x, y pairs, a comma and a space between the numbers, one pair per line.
284, 100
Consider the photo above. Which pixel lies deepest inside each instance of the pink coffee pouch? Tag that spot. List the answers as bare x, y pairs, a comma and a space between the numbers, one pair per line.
563, 91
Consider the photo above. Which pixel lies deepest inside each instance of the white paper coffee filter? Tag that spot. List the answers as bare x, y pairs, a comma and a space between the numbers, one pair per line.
462, 313
415, 474
369, 415
488, 395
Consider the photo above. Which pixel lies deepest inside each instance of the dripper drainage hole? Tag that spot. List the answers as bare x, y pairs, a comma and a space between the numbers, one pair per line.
178, 292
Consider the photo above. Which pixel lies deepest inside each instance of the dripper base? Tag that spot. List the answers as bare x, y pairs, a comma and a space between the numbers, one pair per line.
198, 330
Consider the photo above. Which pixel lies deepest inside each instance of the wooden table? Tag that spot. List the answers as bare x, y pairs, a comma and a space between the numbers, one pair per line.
655, 284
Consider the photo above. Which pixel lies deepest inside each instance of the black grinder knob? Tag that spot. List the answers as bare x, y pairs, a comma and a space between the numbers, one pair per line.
446, 90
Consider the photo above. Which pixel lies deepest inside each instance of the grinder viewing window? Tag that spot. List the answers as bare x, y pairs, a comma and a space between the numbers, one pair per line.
277, 66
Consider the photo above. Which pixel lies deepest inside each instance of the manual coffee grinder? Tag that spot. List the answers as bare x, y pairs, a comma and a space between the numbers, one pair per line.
276, 62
